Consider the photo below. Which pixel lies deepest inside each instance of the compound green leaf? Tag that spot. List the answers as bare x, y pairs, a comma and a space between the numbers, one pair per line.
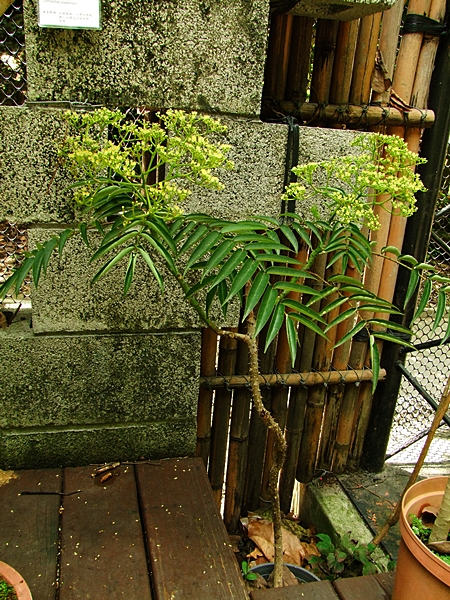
275, 325
266, 308
257, 289
110, 264
152, 267
375, 361
205, 246
244, 275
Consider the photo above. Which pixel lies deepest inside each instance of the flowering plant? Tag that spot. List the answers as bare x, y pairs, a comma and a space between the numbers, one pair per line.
132, 180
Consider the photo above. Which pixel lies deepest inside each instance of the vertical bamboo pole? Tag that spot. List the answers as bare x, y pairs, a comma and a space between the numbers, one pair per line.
366, 48
207, 368
314, 405
325, 47
299, 59
278, 51
221, 418
344, 59
406, 72
237, 451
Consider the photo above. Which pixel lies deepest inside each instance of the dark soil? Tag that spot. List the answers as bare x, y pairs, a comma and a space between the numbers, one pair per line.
6, 591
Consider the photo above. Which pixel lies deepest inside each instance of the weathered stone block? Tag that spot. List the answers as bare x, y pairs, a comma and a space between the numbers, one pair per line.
96, 380
76, 446
206, 55
32, 186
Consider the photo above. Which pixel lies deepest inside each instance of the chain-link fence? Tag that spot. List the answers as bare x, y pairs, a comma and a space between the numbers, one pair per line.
429, 366
13, 77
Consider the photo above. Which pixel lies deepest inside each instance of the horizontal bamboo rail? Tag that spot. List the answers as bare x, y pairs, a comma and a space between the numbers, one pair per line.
292, 379
351, 114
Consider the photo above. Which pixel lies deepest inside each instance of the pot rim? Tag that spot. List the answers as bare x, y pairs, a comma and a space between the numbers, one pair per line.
11, 576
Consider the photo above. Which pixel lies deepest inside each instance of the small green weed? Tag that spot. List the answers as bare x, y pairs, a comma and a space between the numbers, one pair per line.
246, 572
423, 533
7, 591
350, 559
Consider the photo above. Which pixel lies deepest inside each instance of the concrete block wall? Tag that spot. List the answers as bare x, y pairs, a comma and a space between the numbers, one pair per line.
88, 375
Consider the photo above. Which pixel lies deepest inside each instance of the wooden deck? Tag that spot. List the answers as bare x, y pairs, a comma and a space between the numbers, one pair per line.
151, 531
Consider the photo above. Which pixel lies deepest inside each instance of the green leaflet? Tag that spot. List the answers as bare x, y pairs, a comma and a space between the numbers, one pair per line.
350, 334
152, 268
113, 244
49, 246
390, 325
440, 309
290, 236
210, 298
222, 291
390, 310
304, 235
347, 314
205, 246
292, 338
244, 275
184, 231
195, 237
392, 338
83, 231
266, 246
307, 323
277, 258
302, 309
232, 263
257, 289
160, 248
347, 280
265, 309
110, 264
275, 325
335, 304
426, 292
158, 226
243, 226
19, 276
299, 288
392, 250
375, 361
130, 272
218, 255
63, 239
289, 272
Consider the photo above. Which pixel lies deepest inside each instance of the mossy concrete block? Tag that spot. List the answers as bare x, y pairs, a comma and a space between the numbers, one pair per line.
255, 185
342, 10
96, 380
328, 508
204, 54
47, 448
32, 186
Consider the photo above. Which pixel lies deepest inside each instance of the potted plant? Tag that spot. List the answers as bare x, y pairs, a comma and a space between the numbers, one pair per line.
10, 579
131, 189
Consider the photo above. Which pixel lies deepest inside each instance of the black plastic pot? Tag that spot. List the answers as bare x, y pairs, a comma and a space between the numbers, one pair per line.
301, 574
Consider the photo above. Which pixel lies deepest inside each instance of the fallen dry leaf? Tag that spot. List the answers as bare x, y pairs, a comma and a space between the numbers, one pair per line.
260, 532
6, 476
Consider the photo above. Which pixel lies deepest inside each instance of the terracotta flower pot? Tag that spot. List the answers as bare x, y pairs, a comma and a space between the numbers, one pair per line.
12, 577
420, 574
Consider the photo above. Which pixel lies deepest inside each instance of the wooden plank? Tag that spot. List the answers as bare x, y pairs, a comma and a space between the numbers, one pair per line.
190, 552
102, 547
360, 588
320, 590
29, 527
386, 580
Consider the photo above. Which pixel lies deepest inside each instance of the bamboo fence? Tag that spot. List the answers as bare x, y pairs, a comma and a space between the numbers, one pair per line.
366, 75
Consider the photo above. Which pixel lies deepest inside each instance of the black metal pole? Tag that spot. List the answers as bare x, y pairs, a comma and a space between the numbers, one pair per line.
417, 235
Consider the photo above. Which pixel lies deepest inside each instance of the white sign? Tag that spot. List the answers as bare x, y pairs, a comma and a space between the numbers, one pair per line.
70, 14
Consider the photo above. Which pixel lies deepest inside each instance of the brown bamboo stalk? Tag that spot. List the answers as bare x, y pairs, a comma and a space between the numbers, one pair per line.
221, 418
238, 446
278, 51
314, 411
353, 116
344, 59
205, 396
389, 36
366, 48
299, 59
325, 46
258, 432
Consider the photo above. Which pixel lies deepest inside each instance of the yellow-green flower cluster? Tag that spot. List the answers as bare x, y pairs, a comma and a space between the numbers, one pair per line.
158, 161
382, 172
